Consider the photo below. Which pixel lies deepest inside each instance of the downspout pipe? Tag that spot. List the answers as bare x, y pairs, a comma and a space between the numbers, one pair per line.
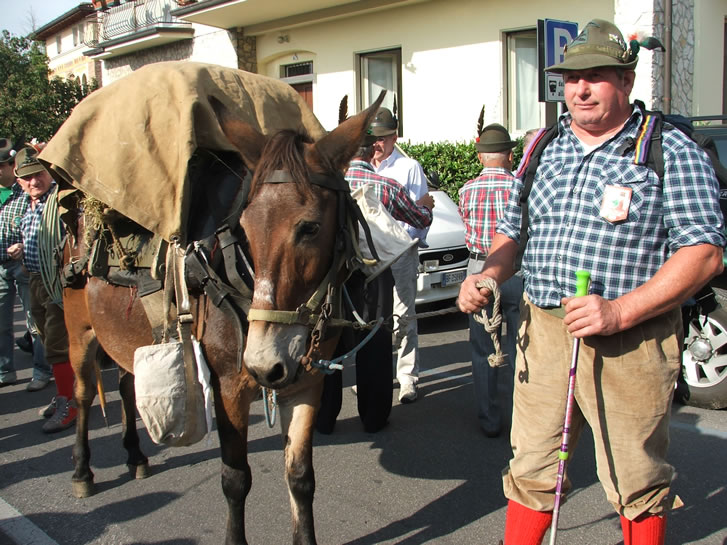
667, 55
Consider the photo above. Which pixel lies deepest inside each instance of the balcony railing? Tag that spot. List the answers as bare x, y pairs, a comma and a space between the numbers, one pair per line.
129, 18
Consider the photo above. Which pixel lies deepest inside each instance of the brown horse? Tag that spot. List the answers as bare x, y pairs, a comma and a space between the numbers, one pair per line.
293, 227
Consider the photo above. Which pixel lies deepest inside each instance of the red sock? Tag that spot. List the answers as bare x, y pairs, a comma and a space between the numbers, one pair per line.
63, 373
524, 526
648, 530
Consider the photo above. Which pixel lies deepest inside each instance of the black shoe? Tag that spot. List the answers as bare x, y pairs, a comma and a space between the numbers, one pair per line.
25, 343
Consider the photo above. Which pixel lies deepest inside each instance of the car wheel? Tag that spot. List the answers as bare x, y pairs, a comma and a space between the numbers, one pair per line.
703, 381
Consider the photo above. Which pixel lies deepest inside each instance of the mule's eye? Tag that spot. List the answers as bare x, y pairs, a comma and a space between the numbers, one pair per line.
307, 229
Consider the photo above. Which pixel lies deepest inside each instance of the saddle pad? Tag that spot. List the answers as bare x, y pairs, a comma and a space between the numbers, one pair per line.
129, 143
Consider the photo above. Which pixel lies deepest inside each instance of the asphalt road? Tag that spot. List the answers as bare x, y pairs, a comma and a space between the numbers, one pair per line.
429, 477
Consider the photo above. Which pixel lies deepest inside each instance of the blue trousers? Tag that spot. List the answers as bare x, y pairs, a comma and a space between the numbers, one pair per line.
484, 377
14, 280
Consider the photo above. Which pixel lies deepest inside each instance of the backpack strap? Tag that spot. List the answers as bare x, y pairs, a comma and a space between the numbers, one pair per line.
648, 150
533, 160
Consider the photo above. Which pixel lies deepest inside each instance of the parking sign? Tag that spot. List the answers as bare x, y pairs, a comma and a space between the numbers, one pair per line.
553, 36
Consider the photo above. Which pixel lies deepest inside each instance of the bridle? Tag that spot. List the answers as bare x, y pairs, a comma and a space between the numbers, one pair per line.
323, 308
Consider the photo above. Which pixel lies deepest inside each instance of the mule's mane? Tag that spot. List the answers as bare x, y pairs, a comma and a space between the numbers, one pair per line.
286, 150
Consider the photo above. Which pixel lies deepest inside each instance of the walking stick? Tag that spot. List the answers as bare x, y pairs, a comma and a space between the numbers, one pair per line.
101, 391
582, 280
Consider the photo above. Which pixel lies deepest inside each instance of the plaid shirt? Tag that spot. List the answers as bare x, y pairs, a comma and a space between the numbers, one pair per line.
30, 226
566, 232
391, 194
10, 215
481, 203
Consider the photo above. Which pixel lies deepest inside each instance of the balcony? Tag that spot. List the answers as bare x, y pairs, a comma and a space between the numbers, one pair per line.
134, 25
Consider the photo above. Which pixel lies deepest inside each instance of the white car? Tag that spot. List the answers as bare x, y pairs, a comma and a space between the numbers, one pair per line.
442, 266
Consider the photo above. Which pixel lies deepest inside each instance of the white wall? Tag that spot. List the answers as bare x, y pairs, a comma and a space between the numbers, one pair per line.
451, 55
709, 25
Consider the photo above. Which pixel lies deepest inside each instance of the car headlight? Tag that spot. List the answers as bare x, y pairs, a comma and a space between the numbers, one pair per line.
430, 265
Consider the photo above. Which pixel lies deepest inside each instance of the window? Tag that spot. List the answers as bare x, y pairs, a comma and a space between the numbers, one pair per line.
377, 71
300, 76
77, 34
522, 80
524, 112
58, 44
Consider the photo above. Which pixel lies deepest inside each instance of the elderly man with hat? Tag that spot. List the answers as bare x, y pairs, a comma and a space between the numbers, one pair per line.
46, 309
13, 277
481, 203
389, 162
649, 244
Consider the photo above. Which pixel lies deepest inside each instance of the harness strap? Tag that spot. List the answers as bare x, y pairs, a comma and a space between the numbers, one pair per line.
229, 246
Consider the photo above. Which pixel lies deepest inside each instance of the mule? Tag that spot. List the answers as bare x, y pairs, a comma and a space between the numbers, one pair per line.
292, 224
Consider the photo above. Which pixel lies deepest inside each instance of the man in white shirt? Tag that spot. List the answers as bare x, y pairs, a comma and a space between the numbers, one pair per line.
389, 162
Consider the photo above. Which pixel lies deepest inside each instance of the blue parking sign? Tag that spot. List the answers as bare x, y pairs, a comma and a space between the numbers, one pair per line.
557, 35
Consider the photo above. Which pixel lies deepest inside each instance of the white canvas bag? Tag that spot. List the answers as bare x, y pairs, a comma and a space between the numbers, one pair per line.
390, 239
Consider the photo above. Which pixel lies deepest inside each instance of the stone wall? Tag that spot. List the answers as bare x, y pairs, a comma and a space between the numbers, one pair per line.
118, 67
647, 17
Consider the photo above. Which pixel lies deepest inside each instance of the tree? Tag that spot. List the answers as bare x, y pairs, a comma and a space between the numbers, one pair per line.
31, 104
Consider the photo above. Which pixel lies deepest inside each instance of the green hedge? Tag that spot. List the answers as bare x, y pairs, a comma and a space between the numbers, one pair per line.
455, 163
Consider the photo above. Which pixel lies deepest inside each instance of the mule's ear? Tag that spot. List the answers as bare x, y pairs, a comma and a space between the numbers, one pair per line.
242, 135
340, 145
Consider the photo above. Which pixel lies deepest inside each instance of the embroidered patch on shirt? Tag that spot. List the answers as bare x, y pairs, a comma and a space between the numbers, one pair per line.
616, 201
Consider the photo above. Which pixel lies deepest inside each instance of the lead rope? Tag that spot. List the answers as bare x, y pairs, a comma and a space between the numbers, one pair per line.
491, 325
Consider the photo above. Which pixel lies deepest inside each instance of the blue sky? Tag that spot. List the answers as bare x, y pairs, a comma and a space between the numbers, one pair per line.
16, 13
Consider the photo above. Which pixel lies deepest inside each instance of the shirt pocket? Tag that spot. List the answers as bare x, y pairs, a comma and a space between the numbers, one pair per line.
545, 188
643, 182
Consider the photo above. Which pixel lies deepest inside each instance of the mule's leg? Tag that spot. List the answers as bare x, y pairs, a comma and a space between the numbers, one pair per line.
82, 350
137, 463
297, 418
233, 394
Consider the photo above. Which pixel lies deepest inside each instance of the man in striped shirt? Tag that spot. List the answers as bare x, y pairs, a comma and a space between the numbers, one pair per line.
481, 203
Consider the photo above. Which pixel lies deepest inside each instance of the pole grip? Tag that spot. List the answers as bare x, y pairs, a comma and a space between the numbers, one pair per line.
583, 279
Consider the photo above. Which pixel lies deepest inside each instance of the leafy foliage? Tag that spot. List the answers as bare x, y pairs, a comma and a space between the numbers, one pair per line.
31, 105
455, 163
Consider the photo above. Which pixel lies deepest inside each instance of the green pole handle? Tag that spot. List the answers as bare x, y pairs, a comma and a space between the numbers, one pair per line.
583, 279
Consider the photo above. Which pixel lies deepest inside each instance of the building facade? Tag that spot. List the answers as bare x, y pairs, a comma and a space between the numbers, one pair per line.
440, 60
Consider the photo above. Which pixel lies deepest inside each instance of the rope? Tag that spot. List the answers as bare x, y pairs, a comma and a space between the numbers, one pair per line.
492, 325
49, 238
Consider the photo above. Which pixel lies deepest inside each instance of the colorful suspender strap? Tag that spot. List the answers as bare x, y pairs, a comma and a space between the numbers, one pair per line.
641, 154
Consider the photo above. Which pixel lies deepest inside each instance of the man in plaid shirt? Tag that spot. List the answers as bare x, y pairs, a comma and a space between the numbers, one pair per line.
374, 370
391, 194
649, 244
47, 314
481, 203
13, 277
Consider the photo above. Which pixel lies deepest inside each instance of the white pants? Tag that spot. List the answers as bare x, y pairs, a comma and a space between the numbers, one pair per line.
405, 290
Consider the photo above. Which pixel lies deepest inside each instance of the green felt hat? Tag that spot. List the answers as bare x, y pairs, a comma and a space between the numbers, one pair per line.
26, 162
599, 44
494, 138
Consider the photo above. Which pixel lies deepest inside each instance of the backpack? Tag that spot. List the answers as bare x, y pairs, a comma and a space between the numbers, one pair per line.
647, 151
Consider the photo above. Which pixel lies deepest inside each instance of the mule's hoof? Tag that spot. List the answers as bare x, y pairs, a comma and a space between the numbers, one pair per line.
82, 489
141, 471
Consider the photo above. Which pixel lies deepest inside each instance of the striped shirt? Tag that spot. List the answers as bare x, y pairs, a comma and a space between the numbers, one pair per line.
10, 215
567, 232
481, 203
391, 194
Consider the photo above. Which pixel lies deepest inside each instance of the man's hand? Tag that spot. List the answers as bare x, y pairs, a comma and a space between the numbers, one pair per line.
592, 315
427, 200
16, 251
471, 299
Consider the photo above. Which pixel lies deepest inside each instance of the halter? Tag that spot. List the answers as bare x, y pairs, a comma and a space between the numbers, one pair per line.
318, 312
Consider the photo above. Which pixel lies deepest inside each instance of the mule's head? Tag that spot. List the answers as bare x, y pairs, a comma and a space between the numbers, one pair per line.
292, 225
